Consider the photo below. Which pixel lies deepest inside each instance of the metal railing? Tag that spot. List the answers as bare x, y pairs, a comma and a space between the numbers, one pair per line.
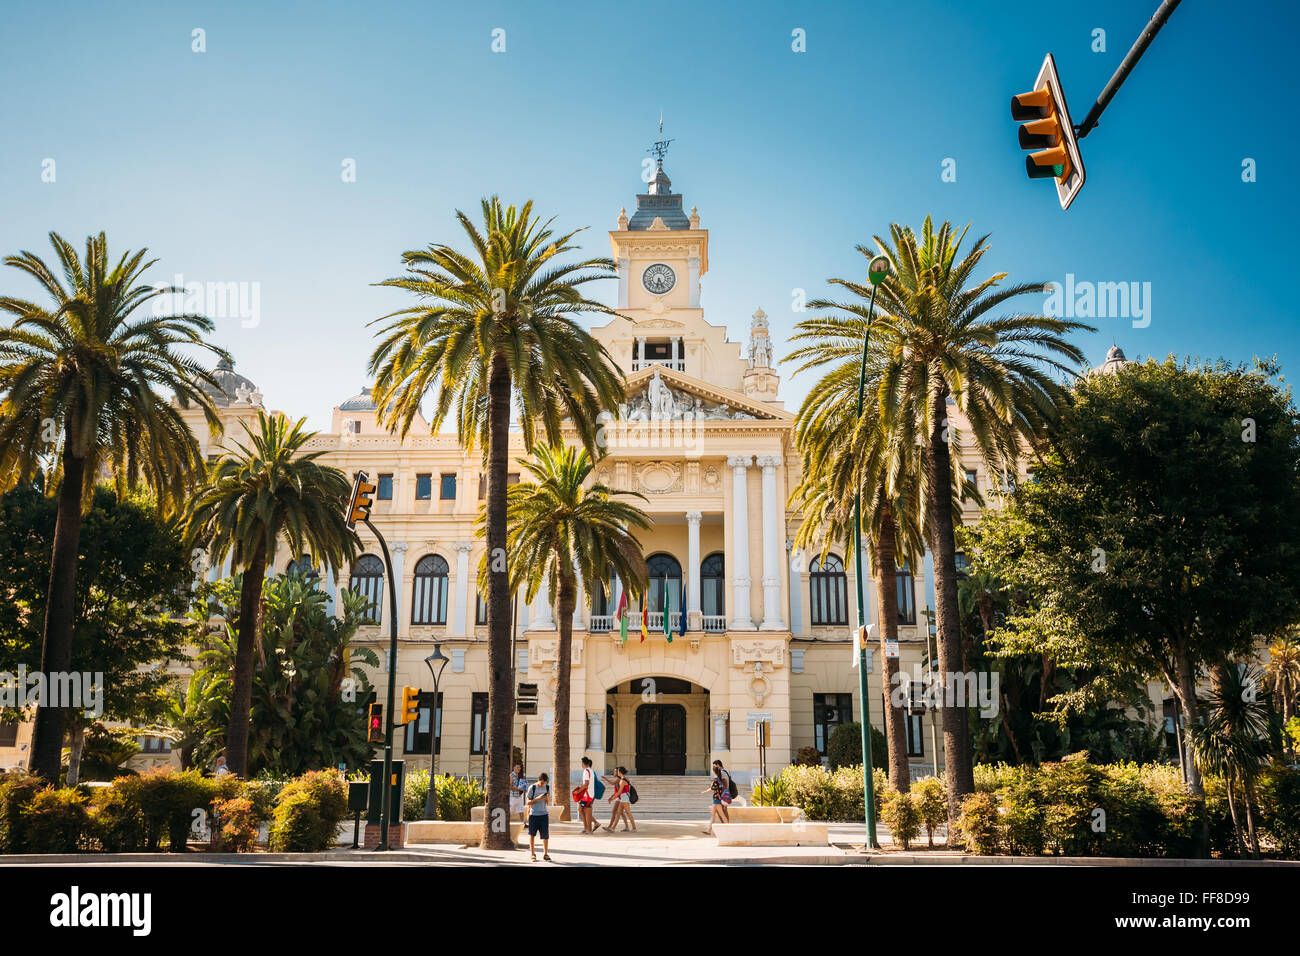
677, 365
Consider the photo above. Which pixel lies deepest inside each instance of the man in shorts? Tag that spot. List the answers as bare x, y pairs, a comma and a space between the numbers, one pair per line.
539, 816
586, 797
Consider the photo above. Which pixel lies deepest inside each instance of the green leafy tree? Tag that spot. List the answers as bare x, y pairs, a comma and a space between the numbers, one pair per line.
308, 686
84, 382
1282, 672
557, 524
493, 329
1160, 535
132, 588
257, 494
935, 341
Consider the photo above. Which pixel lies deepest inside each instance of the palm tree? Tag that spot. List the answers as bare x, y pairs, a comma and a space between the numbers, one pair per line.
1282, 673
556, 524
1234, 741
935, 343
256, 495
493, 328
82, 381
842, 452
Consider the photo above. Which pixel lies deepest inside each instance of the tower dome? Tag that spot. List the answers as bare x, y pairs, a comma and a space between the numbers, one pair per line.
233, 387
1115, 360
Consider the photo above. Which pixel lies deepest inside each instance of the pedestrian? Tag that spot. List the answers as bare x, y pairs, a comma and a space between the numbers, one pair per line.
221, 769
585, 794
720, 787
621, 800
539, 816
518, 785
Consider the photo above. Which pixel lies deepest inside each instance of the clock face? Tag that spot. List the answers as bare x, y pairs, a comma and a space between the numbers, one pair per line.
659, 278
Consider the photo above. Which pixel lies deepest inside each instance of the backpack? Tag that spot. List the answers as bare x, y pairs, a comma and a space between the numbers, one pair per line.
599, 785
731, 787
631, 794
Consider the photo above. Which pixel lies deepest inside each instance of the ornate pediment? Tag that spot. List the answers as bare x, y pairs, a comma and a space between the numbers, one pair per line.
658, 395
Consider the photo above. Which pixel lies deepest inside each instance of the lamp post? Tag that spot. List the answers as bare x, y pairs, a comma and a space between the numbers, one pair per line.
877, 272
431, 801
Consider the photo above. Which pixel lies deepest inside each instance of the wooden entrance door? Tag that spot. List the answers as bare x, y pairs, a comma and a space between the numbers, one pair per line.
661, 739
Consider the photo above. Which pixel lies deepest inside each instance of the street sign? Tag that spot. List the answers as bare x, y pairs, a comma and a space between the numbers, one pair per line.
891, 648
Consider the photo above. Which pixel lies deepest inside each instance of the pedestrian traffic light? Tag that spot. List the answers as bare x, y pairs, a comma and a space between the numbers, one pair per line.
1046, 129
410, 705
362, 498
375, 724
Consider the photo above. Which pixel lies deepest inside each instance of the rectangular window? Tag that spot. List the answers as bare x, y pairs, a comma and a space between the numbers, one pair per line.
511, 479
447, 488
417, 733
154, 745
658, 350
8, 735
385, 490
829, 711
480, 609
906, 594
972, 480
915, 737
478, 724
423, 487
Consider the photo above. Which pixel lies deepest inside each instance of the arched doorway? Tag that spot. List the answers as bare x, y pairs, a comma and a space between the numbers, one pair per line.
661, 739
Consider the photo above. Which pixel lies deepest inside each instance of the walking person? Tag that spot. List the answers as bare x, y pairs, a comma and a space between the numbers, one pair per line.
537, 797
720, 787
621, 801
585, 794
518, 785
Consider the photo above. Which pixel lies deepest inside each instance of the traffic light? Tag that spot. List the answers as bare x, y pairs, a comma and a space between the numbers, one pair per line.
363, 493
410, 705
1046, 129
375, 724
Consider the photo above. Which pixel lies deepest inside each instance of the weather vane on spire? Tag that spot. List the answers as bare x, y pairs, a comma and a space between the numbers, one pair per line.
660, 146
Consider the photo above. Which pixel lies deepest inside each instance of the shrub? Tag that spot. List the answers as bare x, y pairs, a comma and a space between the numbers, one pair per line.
456, 796
844, 748
415, 794
171, 799
773, 792
308, 813
932, 803
1278, 791
54, 821
17, 788
902, 814
116, 821
236, 819
980, 824
808, 757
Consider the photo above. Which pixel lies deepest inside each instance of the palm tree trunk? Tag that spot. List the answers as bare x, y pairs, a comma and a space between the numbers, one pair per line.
60, 616
501, 693
938, 478
1184, 685
1248, 799
1232, 812
567, 598
241, 688
887, 599
76, 746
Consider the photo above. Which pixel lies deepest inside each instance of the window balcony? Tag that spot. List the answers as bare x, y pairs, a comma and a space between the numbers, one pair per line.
677, 365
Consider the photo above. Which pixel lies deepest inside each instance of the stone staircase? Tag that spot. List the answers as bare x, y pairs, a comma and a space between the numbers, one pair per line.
670, 797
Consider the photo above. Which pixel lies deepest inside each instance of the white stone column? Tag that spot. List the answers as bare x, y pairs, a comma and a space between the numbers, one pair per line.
541, 618
796, 588
462, 588
720, 730
577, 605
595, 723
398, 550
739, 465
624, 273
693, 270
331, 588
771, 546
693, 569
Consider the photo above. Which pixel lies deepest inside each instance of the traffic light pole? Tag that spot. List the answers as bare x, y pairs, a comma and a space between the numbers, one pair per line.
1158, 20
387, 785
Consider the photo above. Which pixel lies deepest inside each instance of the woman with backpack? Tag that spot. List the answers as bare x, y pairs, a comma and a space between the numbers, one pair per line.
723, 788
621, 800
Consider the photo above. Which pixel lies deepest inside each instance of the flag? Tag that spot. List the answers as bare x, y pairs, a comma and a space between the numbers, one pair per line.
645, 617
681, 627
667, 614
622, 613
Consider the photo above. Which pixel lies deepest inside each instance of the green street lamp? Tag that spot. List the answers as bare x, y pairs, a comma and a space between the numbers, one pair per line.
431, 801
878, 270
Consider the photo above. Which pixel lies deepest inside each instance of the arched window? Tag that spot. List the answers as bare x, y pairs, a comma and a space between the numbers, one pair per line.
305, 566
429, 602
664, 568
830, 591
368, 580
906, 585
713, 597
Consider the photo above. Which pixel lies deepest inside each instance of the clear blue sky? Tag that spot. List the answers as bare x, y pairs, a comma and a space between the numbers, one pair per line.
227, 163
